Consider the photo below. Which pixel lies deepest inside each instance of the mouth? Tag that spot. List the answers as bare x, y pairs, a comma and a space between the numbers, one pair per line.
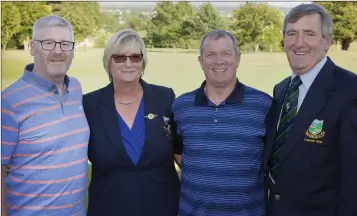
128, 71
300, 53
56, 61
219, 70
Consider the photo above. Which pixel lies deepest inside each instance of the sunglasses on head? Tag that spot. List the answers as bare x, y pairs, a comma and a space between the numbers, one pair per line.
120, 58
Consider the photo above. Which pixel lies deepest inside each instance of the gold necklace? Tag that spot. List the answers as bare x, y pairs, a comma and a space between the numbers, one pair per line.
128, 102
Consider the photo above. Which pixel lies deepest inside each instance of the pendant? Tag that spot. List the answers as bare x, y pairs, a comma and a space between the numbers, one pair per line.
287, 106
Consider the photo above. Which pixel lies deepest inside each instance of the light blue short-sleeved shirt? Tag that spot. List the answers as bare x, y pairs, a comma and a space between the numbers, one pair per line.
44, 139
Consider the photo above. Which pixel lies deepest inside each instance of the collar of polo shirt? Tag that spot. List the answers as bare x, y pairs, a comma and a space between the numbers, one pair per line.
39, 81
236, 96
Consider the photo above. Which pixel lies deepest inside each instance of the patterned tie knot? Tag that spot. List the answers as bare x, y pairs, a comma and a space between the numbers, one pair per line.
296, 82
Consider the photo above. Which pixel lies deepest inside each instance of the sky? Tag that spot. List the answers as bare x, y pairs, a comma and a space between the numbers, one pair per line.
288, 4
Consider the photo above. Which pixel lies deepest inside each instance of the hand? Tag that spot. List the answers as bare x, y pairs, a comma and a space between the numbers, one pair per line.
7, 170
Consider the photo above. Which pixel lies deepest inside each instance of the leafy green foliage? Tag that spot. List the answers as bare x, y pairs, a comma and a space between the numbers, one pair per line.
109, 22
172, 24
84, 16
30, 12
10, 22
344, 17
258, 23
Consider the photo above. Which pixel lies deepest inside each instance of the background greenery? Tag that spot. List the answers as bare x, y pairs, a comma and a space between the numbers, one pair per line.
257, 25
172, 34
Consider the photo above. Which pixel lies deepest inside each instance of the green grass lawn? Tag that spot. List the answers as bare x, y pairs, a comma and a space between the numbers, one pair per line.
180, 71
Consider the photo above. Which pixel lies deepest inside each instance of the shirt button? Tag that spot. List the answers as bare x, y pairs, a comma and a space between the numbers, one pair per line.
216, 109
215, 120
277, 197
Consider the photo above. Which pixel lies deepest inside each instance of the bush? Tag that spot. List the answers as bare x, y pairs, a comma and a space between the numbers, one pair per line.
101, 39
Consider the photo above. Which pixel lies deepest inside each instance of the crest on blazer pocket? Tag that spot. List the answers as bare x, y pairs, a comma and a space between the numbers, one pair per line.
315, 131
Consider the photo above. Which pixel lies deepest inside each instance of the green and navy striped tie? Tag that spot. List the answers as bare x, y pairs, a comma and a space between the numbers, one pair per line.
288, 113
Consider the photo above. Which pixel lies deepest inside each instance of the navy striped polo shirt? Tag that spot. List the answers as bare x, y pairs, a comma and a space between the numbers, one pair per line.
222, 152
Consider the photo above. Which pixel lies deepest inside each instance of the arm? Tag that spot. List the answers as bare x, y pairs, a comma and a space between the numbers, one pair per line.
176, 138
9, 139
3, 192
348, 163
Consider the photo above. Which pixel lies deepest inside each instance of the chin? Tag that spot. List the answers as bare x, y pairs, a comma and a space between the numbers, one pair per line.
129, 79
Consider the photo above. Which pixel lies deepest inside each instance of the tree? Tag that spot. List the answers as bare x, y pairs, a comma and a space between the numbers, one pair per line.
256, 23
109, 22
208, 18
136, 21
165, 25
30, 12
344, 17
271, 36
84, 16
10, 22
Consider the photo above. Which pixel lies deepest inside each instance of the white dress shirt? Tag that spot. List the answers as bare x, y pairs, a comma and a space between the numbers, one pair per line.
307, 80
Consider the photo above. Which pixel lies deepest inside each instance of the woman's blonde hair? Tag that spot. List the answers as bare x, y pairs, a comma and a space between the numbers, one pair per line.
120, 42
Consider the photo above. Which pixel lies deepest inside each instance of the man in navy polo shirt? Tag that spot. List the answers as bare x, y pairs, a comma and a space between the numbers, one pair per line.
221, 128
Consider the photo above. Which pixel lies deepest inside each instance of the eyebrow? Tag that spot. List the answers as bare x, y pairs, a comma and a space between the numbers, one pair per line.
51, 39
303, 30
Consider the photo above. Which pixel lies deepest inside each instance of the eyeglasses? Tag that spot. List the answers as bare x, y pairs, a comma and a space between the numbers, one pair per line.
50, 45
135, 58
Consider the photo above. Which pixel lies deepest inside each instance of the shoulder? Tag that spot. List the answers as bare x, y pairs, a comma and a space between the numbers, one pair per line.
15, 92
345, 77
184, 99
257, 95
158, 89
345, 83
93, 95
73, 81
91, 99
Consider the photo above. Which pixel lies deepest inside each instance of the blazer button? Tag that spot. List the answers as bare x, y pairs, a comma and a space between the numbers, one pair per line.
277, 197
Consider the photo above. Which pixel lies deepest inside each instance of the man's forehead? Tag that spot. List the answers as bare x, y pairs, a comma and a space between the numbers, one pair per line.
55, 33
222, 42
309, 19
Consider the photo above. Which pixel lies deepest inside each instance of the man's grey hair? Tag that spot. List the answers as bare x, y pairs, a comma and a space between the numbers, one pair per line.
217, 34
309, 9
51, 21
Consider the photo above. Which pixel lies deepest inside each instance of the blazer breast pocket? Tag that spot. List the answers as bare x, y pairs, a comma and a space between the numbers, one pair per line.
318, 133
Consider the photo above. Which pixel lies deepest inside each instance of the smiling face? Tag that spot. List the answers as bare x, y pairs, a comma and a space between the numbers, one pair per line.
130, 70
52, 64
219, 61
304, 43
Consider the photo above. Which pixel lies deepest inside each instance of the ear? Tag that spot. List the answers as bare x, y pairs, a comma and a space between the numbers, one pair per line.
328, 42
32, 47
200, 60
238, 57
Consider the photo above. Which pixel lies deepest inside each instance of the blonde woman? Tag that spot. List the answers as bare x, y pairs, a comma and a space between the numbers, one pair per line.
130, 148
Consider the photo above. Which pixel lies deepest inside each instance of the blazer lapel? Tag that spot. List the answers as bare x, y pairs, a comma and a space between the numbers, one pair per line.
279, 94
151, 108
311, 106
110, 121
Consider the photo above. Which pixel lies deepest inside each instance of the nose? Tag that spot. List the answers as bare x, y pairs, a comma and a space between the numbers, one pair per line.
219, 59
128, 62
57, 48
300, 40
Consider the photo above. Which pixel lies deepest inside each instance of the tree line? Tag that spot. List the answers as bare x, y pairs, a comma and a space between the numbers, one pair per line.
257, 26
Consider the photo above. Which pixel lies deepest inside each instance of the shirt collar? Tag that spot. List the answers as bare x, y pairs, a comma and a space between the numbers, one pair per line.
34, 78
236, 96
309, 77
